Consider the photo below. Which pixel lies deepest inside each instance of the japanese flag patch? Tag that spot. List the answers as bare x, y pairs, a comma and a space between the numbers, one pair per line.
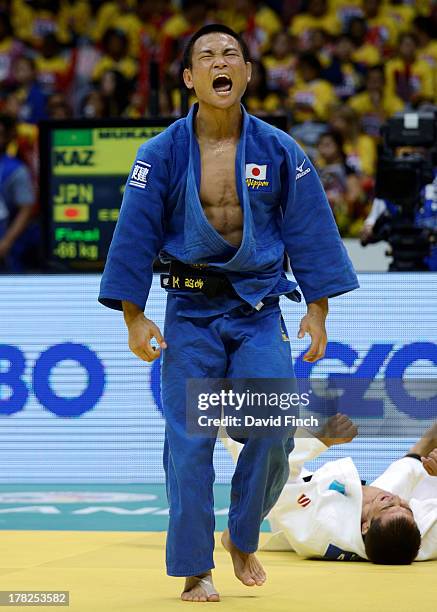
139, 174
259, 173
257, 177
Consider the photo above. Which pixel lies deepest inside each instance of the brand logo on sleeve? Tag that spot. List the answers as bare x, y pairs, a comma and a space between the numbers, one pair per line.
139, 174
300, 172
257, 177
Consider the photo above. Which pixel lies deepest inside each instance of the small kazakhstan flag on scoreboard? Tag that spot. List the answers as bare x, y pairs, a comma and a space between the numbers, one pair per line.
73, 138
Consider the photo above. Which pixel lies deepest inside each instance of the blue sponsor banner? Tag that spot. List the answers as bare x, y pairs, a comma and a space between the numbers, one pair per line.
76, 406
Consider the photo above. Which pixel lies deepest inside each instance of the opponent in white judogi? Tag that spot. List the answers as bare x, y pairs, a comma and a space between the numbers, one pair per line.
320, 517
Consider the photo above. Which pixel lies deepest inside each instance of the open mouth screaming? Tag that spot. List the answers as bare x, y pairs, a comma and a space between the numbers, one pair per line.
222, 84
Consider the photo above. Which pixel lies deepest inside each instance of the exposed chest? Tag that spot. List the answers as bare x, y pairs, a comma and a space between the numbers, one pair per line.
218, 179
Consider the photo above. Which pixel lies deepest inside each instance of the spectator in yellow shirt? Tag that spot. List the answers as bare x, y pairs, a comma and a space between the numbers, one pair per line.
108, 15
32, 22
280, 64
311, 98
401, 13
258, 100
426, 36
52, 67
408, 77
115, 57
317, 16
382, 30
365, 53
144, 26
375, 104
360, 148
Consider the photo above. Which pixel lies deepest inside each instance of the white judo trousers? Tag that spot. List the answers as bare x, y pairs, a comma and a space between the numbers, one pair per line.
321, 518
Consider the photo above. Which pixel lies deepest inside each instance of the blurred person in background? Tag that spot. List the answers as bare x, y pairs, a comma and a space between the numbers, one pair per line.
360, 148
312, 97
34, 19
255, 20
316, 16
319, 44
410, 78
382, 31
376, 103
93, 105
341, 184
108, 15
258, 99
175, 34
54, 70
344, 73
31, 96
19, 237
24, 143
115, 90
115, 56
10, 49
58, 107
280, 63
401, 13
365, 53
425, 31
345, 10
143, 25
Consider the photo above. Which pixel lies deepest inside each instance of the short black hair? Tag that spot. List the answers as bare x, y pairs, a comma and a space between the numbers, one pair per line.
210, 29
394, 542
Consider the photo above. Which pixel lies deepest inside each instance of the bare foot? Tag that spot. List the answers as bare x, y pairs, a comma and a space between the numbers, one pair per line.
199, 588
247, 568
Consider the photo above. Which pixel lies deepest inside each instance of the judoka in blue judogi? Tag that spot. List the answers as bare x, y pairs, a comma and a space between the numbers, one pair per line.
236, 336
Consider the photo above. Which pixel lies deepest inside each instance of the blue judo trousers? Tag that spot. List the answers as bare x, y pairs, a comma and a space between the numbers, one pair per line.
232, 345
237, 336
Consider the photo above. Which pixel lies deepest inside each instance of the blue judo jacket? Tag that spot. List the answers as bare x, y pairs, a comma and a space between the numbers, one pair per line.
284, 208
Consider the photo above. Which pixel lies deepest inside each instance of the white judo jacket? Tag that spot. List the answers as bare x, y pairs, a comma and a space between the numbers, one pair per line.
321, 518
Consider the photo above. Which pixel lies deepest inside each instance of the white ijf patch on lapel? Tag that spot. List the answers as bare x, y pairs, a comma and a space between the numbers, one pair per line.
301, 170
140, 174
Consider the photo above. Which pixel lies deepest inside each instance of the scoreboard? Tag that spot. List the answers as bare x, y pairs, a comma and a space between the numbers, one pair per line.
84, 166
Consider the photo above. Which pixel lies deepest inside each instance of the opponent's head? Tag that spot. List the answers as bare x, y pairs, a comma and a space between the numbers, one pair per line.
390, 533
216, 66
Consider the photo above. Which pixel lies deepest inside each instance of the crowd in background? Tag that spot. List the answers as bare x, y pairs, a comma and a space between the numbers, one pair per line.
337, 68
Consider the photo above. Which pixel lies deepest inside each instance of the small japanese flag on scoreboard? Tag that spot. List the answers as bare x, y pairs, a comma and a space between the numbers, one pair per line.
253, 171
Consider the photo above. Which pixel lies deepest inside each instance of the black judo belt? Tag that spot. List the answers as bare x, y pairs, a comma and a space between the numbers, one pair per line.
196, 279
